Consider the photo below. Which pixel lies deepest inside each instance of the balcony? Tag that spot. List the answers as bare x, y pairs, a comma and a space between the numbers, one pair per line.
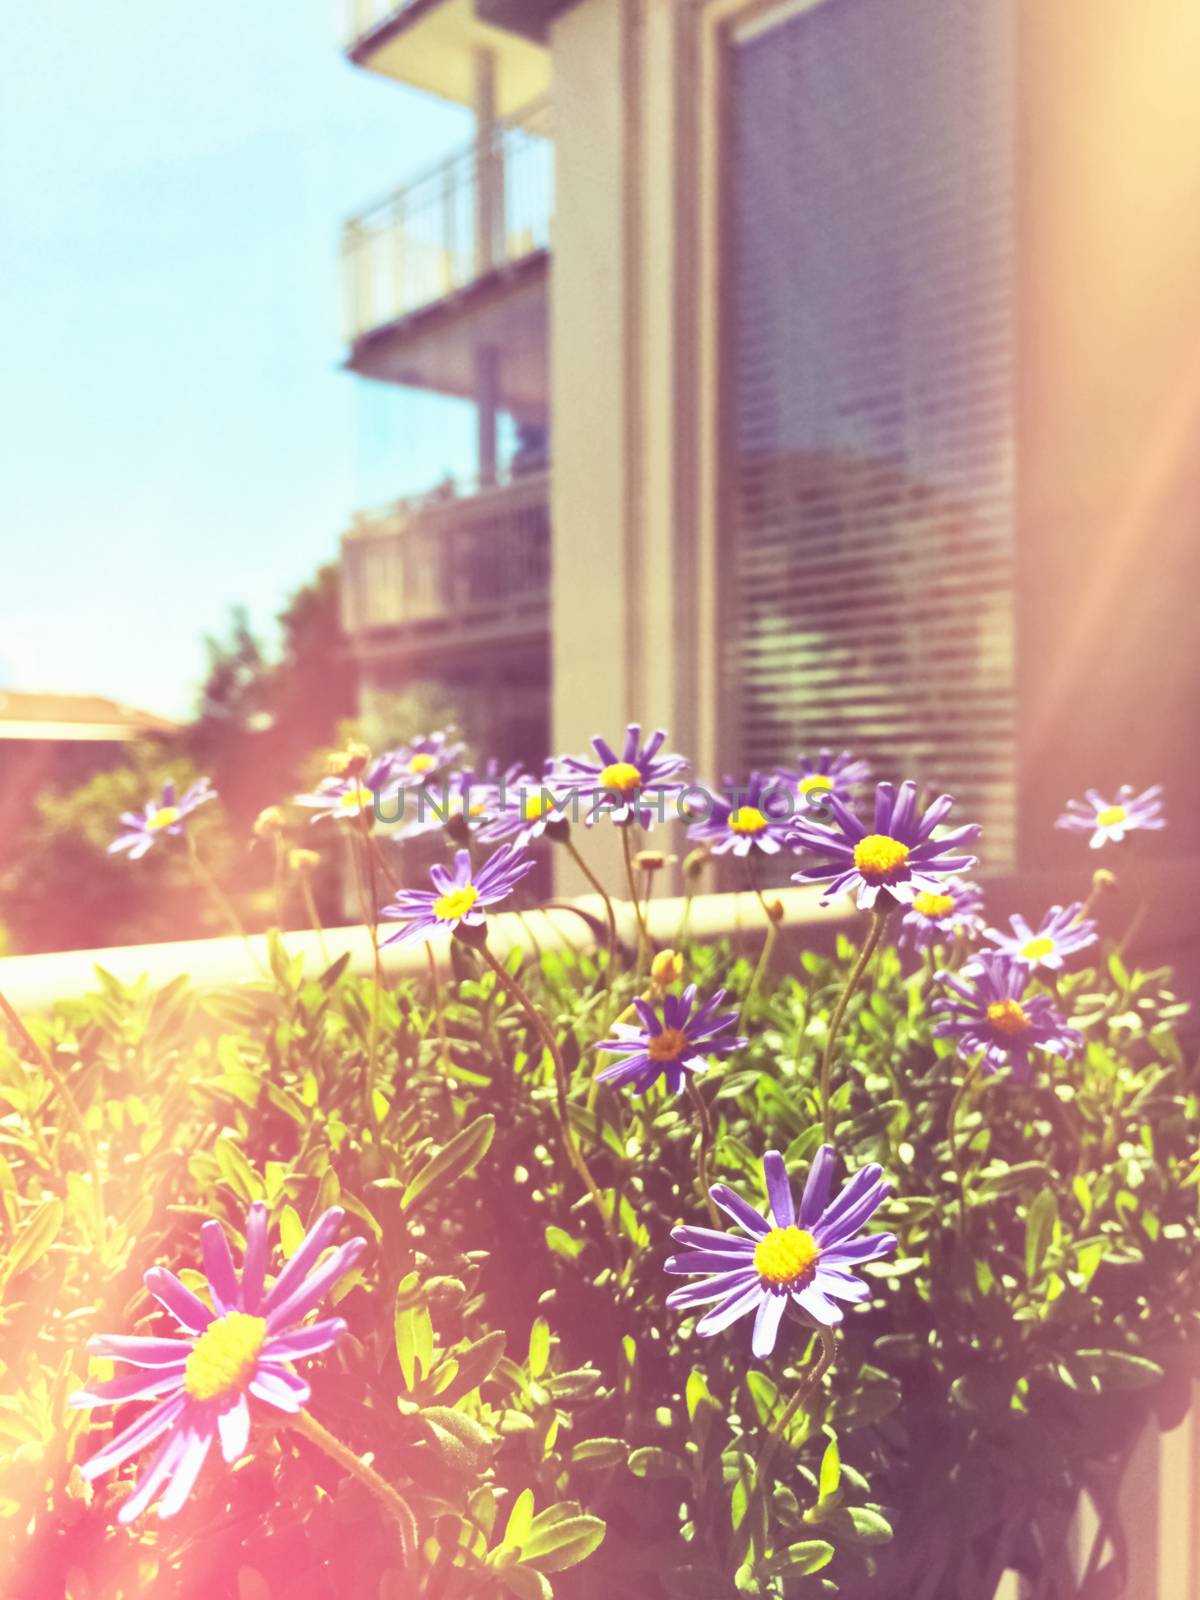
465, 242
436, 45
450, 573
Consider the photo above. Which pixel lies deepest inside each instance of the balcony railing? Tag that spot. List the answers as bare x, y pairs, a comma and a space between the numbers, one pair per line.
477, 561
489, 207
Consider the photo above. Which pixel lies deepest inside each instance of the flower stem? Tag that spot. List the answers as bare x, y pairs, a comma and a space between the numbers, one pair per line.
46, 1063
546, 1033
807, 1386
370, 914
204, 876
643, 935
310, 905
610, 914
440, 1016
878, 923
397, 1507
962, 1094
705, 1150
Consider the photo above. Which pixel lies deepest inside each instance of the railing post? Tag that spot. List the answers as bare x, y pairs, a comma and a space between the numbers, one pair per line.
486, 162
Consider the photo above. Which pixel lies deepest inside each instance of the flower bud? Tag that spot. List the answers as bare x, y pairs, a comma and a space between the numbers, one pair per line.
667, 968
693, 863
774, 909
301, 860
649, 860
347, 763
269, 821
1103, 880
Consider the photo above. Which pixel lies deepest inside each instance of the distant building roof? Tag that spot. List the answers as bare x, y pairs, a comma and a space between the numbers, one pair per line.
69, 717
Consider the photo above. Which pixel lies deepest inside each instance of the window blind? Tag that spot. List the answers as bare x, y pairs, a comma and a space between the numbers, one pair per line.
872, 238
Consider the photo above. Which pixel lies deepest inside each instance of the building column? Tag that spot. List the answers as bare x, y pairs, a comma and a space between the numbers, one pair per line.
487, 390
625, 614
489, 165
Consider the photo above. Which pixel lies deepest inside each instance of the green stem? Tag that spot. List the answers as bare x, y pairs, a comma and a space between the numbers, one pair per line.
610, 914
643, 935
45, 1061
220, 899
546, 1033
370, 913
807, 1386
436, 993
309, 1428
962, 1094
705, 1150
878, 922
310, 905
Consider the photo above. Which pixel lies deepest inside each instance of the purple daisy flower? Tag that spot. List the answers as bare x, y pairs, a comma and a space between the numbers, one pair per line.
758, 817
616, 785
938, 915
458, 898
808, 1257
1111, 822
814, 780
899, 856
165, 816
469, 797
351, 797
241, 1348
671, 1045
527, 806
415, 763
1062, 933
997, 1016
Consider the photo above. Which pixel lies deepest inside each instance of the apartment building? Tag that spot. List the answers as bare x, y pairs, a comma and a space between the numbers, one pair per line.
837, 373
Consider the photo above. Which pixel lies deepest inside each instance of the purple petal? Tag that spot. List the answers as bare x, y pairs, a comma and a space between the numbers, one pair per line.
141, 1352
779, 1189
218, 1267
300, 1342
312, 1291
187, 1470
766, 1324
254, 1264
154, 1476
132, 1386
730, 1309
816, 1190
233, 1425
280, 1389
190, 1312
734, 1206
322, 1233
148, 1427
715, 1288
811, 1299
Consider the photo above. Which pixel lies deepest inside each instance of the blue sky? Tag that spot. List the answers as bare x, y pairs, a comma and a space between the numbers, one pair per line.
175, 433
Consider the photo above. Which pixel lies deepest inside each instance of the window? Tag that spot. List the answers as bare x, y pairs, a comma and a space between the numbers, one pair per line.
872, 356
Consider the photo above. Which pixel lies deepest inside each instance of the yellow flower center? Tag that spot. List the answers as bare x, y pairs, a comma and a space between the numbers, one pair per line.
224, 1355
786, 1256
1037, 948
422, 763
933, 905
162, 818
668, 1044
359, 798
1110, 816
534, 806
1007, 1017
747, 819
622, 776
815, 783
457, 903
879, 856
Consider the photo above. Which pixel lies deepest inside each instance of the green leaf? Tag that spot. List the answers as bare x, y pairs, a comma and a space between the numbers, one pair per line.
539, 1347
1120, 1369
831, 1472
35, 1238
553, 1546
561, 1242
651, 1462
455, 1160
598, 1453
526, 1583
808, 1555
476, 1363
1040, 1220
414, 1343
520, 1520
467, 1444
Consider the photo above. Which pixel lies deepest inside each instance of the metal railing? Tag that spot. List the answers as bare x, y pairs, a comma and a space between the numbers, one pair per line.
488, 207
452, 557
